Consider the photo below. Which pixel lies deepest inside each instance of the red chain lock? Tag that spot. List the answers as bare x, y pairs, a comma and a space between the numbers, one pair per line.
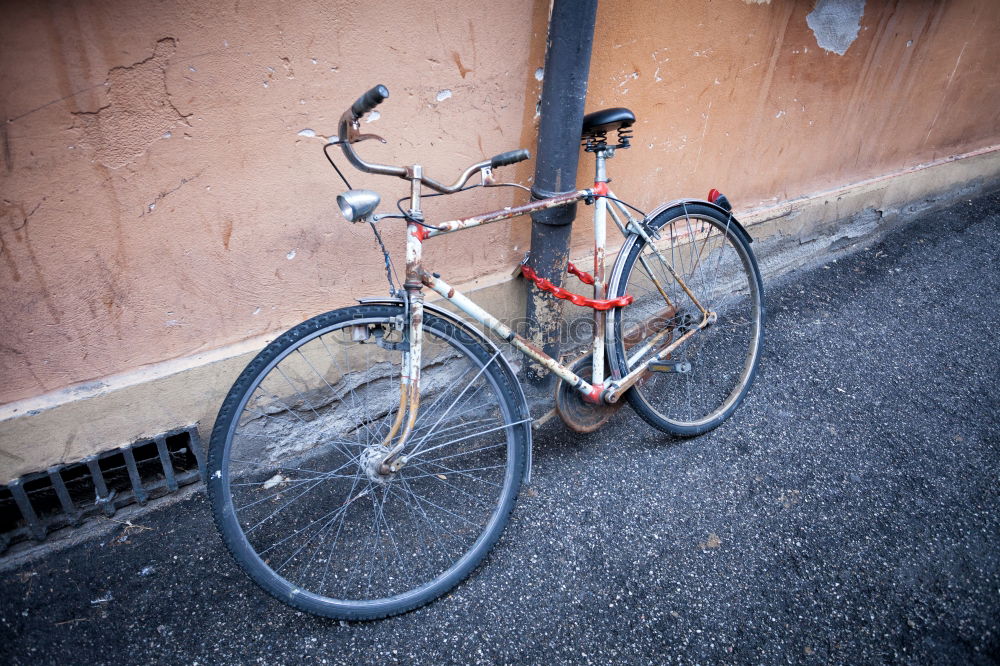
584, 277
575, 299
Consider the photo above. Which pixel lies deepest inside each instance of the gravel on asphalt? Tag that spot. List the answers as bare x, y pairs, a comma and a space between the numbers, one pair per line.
848, 513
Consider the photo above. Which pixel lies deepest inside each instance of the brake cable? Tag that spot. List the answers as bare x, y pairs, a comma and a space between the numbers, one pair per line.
335, 167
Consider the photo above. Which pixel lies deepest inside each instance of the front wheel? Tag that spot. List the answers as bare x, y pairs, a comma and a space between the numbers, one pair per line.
294, 483
703, 380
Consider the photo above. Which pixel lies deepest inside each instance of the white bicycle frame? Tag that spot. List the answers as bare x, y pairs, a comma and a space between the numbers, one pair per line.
599, 389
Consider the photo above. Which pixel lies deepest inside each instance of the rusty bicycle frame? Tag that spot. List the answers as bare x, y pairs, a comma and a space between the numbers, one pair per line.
599, 389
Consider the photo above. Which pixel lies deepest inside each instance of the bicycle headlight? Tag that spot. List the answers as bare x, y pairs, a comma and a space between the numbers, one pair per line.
358, 205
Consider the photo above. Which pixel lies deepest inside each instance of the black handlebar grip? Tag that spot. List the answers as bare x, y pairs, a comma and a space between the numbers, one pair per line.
369, 100
511, 157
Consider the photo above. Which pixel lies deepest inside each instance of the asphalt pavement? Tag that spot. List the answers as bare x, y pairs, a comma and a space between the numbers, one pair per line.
848, 513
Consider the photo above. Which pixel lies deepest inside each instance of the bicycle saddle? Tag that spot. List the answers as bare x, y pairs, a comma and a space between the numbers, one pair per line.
606, 120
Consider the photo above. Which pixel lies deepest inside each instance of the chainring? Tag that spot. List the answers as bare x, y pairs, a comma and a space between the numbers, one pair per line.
578, 414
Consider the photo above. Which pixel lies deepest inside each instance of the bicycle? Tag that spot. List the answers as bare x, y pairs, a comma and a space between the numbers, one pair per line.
366, 460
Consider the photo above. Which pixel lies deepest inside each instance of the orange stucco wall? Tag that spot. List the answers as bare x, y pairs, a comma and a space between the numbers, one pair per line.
158, 199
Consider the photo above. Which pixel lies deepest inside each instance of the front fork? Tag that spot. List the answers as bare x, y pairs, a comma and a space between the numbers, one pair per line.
413, 327
409, 383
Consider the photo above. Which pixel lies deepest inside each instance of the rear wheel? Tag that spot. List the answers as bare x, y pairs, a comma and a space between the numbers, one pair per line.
704, 380
293, 475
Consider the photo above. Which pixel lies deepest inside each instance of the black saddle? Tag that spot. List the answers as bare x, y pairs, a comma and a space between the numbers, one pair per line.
606, 120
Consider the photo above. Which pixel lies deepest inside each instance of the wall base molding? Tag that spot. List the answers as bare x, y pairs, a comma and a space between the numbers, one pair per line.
88, 418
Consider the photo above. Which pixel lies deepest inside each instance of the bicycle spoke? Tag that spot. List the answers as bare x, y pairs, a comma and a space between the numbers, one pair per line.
462, 472
465, 453
343, 375
702, 251
303, 487
477, 434
416, 448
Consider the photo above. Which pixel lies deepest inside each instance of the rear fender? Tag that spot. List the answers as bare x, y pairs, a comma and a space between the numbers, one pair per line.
740, 229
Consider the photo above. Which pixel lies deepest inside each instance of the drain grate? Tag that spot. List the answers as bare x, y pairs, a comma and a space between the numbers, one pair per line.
66, 495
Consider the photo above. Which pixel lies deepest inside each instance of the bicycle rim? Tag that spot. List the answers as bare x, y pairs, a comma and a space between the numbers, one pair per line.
708, 375
293, 489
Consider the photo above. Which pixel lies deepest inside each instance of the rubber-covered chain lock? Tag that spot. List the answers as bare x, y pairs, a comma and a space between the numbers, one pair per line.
575, 299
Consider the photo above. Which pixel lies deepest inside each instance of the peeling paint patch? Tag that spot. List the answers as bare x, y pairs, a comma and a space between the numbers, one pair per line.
835, 23
539, 74
290, 255
443, 95
139, 109
307, 132
372, 116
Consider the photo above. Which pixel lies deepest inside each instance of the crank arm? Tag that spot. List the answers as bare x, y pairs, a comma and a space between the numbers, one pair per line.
619, 387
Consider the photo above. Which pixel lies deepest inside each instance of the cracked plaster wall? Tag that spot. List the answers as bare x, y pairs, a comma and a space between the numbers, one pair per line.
136, 111
162, 192
162, 189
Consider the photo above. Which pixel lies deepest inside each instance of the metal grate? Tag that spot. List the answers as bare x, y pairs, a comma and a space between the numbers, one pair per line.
66, 495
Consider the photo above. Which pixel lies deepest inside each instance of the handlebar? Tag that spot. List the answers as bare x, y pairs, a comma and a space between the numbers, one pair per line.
348, 132
369, 100
512, 157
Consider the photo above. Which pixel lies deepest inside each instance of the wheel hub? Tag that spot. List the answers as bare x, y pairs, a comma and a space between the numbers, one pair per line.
371, 463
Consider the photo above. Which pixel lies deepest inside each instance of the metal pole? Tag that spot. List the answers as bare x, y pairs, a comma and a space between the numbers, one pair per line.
564, 90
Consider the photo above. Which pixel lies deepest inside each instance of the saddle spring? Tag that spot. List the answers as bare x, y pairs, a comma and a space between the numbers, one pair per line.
624, 134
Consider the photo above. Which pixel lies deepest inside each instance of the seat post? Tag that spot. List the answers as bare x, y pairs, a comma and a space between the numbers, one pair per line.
600, 239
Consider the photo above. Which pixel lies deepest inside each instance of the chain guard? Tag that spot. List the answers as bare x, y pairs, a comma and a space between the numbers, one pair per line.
576, 413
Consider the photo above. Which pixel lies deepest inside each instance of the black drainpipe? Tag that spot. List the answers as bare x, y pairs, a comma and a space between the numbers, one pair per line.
564, 91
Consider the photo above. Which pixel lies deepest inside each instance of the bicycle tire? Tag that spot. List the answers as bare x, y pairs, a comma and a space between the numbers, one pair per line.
713, 257
293, 420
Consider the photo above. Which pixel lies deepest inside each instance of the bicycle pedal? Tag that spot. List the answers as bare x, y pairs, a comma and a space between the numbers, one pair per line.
669, 366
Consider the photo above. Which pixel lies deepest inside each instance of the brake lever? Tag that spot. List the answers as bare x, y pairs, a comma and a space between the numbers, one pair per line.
354, 137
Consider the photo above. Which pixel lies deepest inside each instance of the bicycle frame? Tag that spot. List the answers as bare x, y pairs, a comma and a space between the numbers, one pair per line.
596, 391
